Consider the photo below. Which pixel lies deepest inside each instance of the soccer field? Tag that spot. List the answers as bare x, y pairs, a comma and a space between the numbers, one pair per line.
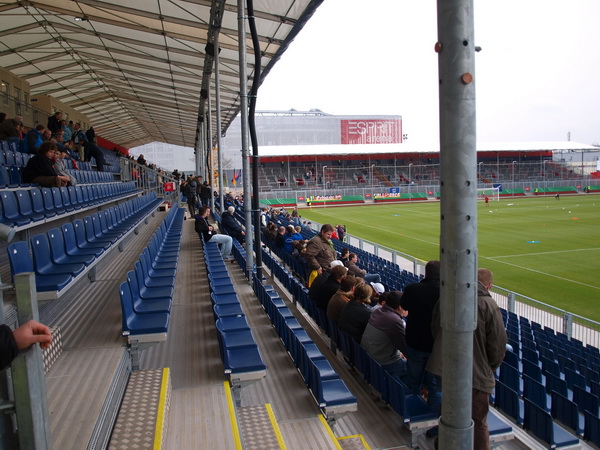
542, 248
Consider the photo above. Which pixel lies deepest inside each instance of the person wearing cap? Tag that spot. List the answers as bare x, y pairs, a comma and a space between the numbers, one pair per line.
319, 250
384, 336
231, 226
9, 129
419, 299
356, 314
378, 289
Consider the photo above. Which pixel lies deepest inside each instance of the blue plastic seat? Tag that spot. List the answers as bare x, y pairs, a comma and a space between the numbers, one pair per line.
329, 392
93, 230
585, 401
138, 324
37, 203
81, 234
541, 425
71, 248
20, 262
43, 263
66, 199
237, 323
75, 203
508, 401
566, 412
10, 210
146, 293
535, 392
57, 199
592, 428
141, 306
153, 282
58, 250
26, 207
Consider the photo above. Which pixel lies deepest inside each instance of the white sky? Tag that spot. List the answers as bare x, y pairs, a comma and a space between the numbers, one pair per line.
536, 77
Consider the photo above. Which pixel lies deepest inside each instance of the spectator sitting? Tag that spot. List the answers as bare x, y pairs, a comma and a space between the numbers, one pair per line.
279, 239
60, 165
290, 237
378, 290
358, 272
384, 336
9, 129
319, 250
231, 225
343, 295
325, 285
40, 168
344, 254
299, 248
356, 313
270, 231
33, 139
207, 231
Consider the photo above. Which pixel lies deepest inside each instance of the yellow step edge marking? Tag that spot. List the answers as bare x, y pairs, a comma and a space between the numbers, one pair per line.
275, 426
232, 417
161, 412
330, 432
360, 436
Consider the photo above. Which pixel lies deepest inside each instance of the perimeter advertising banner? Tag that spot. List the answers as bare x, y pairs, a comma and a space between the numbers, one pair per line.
375, 131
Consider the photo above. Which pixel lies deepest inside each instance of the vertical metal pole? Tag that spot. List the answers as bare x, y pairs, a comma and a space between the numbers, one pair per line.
209, 151
458, 221
245, 147
218, 112
31, 401
200, 146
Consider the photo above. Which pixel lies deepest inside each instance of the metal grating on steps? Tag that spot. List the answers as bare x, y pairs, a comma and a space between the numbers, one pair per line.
258, 428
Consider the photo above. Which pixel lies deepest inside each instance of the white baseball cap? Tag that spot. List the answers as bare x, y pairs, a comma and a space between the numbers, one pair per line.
378, 287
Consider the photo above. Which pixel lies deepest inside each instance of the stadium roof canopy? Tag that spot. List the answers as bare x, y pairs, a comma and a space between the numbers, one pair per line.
373, 149
136, 67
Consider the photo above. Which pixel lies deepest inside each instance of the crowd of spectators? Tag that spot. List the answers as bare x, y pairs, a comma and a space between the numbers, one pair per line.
400, 330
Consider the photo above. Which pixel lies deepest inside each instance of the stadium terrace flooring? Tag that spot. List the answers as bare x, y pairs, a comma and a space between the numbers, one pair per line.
199, 418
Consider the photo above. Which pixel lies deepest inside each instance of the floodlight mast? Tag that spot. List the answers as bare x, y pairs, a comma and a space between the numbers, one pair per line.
458, 220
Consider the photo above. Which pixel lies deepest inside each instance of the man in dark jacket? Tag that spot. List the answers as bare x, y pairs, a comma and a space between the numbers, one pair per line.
419, 299
489, 347
325, 285
54, 122
207, 231
34, 139
231, 226
23, 337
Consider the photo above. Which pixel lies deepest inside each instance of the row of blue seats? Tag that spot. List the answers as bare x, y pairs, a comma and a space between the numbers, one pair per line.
240, 354
416, 414
541, 423
331, 393
25, 207
11, 177
147, 294
62, 255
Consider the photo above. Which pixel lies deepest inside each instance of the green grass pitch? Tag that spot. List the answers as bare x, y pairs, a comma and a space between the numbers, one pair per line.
540, 247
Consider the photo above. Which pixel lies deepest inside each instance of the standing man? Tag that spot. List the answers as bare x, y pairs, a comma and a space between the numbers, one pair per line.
205, 229
489, 347
79, 139
54, 122
419, 299
205, 193
320, 251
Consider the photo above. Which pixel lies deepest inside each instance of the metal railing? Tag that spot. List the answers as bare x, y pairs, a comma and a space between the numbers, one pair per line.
150, 180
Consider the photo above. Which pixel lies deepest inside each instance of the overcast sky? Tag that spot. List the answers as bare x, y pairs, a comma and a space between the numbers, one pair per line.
537, 77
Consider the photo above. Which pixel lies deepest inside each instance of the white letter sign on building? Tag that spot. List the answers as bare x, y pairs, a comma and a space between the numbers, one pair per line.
371, 131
